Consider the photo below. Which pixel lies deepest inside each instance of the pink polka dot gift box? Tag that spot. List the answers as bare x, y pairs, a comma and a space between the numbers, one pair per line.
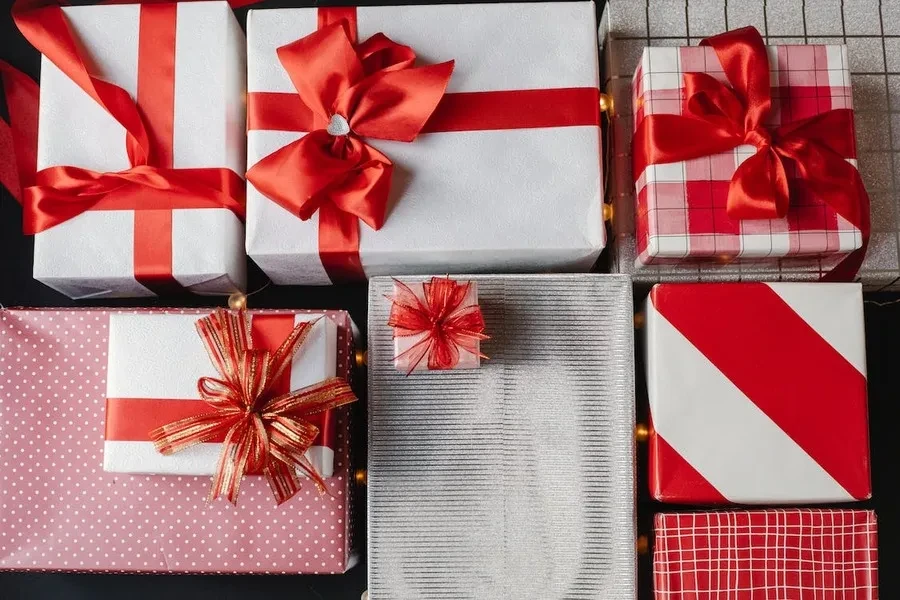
101, 472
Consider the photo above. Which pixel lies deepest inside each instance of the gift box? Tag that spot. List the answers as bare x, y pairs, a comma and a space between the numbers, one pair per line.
154, 364
133, 232
416, 307
757, 393
688, 203
504, 174
786, 554
522, 467
65, 513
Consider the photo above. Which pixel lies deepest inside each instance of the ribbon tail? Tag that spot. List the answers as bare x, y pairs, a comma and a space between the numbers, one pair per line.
282, 479
18, 139
339, 244
759, 188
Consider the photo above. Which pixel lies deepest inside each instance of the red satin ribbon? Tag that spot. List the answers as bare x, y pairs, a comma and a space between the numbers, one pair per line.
718, 118
440, 317
151, 186
373, 90
18, 138
132, 419
348, 181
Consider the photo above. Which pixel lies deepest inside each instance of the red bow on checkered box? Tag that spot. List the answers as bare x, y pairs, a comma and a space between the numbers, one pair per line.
746, 151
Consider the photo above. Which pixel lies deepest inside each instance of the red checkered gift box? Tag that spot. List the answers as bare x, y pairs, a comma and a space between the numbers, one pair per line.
766, 555
681, 206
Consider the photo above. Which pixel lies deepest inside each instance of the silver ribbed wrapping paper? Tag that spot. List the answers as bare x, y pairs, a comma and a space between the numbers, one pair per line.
871, 30
515, 480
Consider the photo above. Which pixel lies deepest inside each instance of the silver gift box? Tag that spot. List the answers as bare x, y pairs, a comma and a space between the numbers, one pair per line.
868, 27
514, 480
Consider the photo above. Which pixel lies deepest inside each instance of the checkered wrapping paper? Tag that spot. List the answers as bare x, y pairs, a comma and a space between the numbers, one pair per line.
871, 31
766, 555
681, 206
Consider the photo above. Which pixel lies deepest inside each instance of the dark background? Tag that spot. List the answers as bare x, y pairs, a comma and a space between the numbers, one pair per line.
17, 288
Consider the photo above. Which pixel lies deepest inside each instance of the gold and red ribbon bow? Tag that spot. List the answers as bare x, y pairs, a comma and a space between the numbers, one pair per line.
445, 323
718, 118
264, 432
367, 90
151, 185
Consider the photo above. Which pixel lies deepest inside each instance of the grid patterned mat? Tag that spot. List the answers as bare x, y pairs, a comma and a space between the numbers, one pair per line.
871, 30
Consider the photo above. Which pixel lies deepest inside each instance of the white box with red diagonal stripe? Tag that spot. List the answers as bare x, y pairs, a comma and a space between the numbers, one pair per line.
757, 393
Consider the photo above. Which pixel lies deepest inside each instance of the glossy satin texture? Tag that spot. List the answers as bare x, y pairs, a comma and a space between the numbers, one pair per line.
375, 89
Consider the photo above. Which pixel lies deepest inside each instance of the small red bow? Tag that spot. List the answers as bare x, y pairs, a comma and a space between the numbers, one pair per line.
371, 90
445, 323
263, 433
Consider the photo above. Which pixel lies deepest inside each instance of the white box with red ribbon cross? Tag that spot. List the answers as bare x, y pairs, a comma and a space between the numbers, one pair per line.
757, 393
155, 362
183, 67
504, 174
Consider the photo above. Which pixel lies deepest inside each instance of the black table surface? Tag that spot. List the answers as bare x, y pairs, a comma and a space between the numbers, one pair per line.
17, 288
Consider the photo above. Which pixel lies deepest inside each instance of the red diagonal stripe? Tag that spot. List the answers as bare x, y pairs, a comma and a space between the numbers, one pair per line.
673, 479
782, 364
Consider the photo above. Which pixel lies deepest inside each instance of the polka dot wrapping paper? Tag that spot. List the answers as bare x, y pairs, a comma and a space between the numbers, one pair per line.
59, 511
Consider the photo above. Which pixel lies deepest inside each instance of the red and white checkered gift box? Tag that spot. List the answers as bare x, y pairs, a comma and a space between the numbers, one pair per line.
681, 206
766, 555
757, 393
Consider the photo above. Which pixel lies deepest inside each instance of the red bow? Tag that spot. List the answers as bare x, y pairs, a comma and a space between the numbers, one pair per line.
263, 432
718, 118
444, 322
372, 91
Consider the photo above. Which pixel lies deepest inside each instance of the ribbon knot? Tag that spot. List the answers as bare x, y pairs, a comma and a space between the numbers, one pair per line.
717, 118
370, 90
447, 323
263, 432
759, 137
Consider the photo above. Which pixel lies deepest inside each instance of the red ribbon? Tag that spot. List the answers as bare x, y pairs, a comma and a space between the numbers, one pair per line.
440, 317
346, 180
717, 118
18, 138
151, 186
263, 431
351, 90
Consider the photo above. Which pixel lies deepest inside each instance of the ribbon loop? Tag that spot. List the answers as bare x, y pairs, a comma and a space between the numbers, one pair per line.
717, 118
262, 433
353, 90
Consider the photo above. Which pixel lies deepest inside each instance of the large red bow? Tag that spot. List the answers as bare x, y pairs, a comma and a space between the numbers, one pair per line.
440, 317
371, 90
264, 433
718, 118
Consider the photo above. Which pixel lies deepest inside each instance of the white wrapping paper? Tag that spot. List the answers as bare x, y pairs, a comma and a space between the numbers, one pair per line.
161, 356
475, 201
92, 254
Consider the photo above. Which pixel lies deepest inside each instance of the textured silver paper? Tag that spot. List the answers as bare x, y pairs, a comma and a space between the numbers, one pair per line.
871, 30
514, 480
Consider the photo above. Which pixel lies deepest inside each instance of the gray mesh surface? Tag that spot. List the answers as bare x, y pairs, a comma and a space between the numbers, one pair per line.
515, 480
871, 30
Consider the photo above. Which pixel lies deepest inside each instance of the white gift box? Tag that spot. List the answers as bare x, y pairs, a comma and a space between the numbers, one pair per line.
465, 201
403, 343
161, 356
92, 254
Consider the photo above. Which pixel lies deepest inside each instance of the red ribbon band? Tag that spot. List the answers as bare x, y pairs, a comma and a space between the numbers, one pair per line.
718, 118
132, 419
151, 187
348, 181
